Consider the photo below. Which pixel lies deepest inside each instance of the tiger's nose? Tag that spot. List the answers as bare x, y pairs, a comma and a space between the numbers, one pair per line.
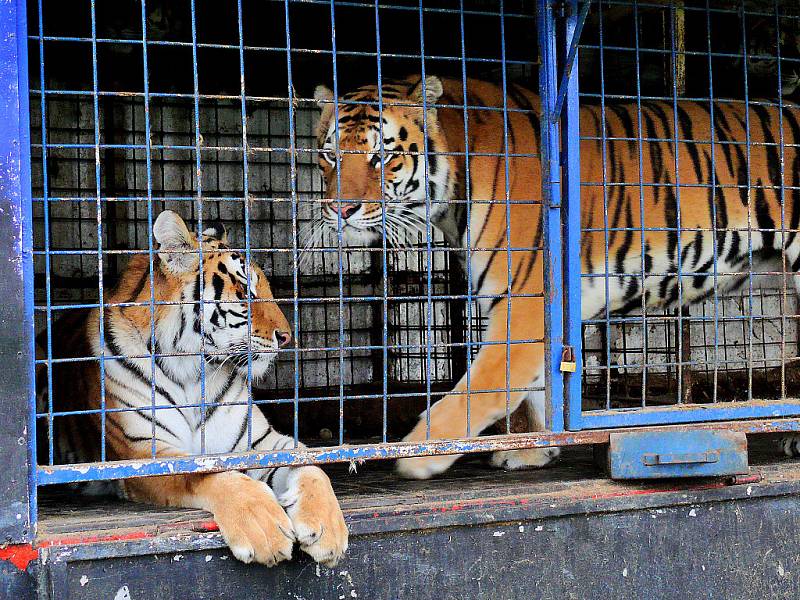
347, 210
282, 338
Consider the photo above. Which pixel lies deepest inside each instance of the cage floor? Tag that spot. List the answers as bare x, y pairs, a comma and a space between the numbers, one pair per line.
375, 501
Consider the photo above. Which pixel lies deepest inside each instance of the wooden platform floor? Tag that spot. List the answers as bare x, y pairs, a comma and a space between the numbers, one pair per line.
374, 500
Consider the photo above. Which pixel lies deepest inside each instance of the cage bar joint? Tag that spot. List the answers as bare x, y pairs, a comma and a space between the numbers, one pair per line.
563, 9
572, 55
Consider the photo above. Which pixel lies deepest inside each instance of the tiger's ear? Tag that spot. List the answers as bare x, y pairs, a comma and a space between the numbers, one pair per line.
175, 243
433, 90
217, 231
324, 98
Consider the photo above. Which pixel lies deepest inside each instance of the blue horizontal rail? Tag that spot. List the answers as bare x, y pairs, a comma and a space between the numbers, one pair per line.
689, 413
51, 475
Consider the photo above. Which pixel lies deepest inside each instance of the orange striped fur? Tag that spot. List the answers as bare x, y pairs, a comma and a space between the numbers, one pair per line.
725, 197
153, 405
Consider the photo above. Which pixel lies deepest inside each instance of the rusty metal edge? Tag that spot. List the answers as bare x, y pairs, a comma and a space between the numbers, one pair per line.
344, 454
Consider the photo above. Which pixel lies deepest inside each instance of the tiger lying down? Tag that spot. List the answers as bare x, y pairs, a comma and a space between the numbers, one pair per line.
260, 514
717, 220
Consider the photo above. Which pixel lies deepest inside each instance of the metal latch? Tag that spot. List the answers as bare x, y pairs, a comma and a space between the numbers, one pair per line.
568, 364
688, 458
652, 454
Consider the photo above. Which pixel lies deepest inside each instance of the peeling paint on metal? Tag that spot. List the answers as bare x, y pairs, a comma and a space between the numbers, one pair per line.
123, 593
20, 556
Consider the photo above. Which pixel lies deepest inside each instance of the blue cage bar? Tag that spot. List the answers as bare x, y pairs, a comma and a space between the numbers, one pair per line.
106, 142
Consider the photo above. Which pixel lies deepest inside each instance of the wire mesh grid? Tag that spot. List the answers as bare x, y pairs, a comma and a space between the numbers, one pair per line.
718, 323
138, 108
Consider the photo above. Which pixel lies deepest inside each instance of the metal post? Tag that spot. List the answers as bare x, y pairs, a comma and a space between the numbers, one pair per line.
683, 337
17, 393
570, 143
551, 215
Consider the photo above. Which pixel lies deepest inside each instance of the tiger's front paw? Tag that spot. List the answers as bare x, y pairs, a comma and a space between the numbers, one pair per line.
791, 445
424, 467
318, 522
254, 525
530, 458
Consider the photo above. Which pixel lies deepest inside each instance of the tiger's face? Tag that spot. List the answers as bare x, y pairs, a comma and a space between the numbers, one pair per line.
369, 179
230, 300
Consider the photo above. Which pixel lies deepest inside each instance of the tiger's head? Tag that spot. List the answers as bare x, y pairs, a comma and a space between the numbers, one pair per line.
369, 180
229, 299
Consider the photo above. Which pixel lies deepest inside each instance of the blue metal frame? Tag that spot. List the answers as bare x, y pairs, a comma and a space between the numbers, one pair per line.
655, 454
572, 215
681, 413
17, 391
561, 186
52, 474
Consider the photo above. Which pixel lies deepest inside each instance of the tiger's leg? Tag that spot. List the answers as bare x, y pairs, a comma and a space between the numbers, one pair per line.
305, 493
250, 518
530, 458
448, 417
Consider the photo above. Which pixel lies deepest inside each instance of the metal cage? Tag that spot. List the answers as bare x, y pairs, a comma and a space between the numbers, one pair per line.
732, 355
117, 111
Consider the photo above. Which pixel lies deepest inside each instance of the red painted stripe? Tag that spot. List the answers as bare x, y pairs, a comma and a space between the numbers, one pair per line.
74, 540
77, 539
19, 556
205, 526
651, 491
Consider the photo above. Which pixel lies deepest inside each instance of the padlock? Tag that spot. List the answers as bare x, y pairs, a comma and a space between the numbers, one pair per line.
568, 364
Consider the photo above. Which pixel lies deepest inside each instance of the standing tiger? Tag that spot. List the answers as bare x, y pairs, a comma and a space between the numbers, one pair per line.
741, 210
155, 403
